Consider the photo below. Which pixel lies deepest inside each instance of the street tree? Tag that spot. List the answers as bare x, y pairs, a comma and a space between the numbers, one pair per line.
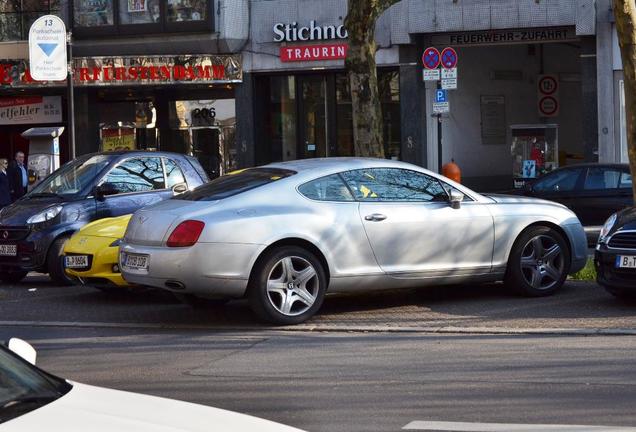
363, 79
625, 15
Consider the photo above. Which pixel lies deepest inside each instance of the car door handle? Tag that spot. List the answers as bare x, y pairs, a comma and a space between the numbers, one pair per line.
375, 217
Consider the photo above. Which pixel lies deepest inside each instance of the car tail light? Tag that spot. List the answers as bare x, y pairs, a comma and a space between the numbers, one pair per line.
185, 234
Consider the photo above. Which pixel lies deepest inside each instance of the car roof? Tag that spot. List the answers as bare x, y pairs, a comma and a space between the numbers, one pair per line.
597, 165
137, 153
337, 164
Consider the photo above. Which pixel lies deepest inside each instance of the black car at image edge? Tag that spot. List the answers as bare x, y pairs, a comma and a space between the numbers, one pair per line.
33, 229
615, 255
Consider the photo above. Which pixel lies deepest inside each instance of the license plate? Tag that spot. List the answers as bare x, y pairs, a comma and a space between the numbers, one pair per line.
8, 250
139, 262
626, 261
76, 261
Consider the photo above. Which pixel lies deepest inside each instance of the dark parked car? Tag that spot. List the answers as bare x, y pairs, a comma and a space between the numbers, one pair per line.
33, 230
615, 256
592, 191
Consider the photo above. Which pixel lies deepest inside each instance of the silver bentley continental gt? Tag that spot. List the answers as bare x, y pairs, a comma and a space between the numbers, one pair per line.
285, 234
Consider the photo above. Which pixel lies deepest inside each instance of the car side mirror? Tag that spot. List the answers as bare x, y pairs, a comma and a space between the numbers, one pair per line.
23, 349
103, 190
179, 188
456, 198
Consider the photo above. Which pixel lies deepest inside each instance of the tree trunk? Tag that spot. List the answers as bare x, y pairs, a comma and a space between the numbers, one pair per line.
625, 14
363, 78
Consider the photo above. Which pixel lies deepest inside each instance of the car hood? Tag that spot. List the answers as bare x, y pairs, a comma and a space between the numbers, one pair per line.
626, 219
17, 213
96, 409
109, 227
516, 199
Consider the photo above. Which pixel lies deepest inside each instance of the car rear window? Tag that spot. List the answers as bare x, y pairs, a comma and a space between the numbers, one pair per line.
235, 183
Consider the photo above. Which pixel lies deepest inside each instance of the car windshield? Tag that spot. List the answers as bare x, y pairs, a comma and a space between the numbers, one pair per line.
24, 388
234, 184
72, 177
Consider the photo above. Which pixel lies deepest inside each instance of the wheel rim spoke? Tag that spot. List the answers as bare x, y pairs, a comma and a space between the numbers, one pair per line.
287, 303
536, 278
305, 296
552, 272
304, 276
288, 269
528, 262
551, 253
537, 245
276, 287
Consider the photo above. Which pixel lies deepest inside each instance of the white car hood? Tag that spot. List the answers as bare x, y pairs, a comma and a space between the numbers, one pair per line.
96, 409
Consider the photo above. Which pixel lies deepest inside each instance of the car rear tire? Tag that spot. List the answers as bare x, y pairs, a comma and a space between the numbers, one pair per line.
55, 262
288, 286
539, 262
13, 276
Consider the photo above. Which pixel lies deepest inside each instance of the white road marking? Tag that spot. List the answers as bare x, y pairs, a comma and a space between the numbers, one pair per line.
439, 426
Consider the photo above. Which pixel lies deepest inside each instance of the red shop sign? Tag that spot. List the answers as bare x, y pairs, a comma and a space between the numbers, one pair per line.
313, 52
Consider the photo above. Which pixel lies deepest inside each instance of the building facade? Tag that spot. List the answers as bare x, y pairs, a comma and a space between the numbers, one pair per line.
245, 82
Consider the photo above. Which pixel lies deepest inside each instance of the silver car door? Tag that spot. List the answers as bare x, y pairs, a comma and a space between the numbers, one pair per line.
412, 228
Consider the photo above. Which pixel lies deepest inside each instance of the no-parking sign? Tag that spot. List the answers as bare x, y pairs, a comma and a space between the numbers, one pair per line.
548, 95
431, 58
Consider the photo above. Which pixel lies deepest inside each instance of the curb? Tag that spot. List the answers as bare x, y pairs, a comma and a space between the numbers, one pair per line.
338, 328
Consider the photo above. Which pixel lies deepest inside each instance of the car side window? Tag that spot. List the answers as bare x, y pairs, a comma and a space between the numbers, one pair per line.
174, 176
329, 188
601, 178
626, 181
394, 184
558, 181
137, 175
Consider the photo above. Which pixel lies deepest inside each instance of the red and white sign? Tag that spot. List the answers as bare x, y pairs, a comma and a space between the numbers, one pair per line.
313, 52
449, 58
431, 58
30, 110
548, 95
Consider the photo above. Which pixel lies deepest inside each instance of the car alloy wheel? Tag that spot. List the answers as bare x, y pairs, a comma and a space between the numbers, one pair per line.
292, 286
542, 262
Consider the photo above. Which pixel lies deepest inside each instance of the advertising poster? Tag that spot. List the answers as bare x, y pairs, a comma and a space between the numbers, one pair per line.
118, 139
30, 110
136, 5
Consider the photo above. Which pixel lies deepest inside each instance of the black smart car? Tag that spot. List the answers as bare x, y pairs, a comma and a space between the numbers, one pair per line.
33, 230
615, 256
592, 191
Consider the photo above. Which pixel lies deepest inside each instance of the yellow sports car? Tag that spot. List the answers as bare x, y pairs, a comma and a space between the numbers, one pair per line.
91, 254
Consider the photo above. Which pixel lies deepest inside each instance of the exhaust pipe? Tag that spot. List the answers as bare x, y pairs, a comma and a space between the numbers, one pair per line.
174, 285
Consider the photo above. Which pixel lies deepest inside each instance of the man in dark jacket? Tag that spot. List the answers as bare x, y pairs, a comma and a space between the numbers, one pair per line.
5, 195
18, 177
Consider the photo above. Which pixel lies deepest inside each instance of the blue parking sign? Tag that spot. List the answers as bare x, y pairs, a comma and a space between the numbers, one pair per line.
440, 96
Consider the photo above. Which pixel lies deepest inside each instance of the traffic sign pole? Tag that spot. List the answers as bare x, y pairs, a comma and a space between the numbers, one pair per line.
71, 97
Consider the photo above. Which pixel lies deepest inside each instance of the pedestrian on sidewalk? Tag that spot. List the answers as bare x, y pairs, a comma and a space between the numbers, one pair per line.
5, 192
18, 177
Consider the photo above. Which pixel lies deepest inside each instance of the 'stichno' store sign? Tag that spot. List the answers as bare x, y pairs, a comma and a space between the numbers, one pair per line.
293, 32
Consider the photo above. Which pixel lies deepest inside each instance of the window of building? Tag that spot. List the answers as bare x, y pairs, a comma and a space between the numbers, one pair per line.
16, 16
141, 16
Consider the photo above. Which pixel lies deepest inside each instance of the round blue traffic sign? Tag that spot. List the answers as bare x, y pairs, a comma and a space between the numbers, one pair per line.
431, 58
449, 58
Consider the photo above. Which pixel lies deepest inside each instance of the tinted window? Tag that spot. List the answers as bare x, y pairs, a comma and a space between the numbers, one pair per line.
392, 184
601, 178
330, 188
558, 181
626, 181
234, 184
174, 176
137, 175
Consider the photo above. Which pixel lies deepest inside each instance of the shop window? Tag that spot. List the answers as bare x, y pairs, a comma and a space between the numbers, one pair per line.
282, 117
187, 10
16, 16
141, 16
93, 13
